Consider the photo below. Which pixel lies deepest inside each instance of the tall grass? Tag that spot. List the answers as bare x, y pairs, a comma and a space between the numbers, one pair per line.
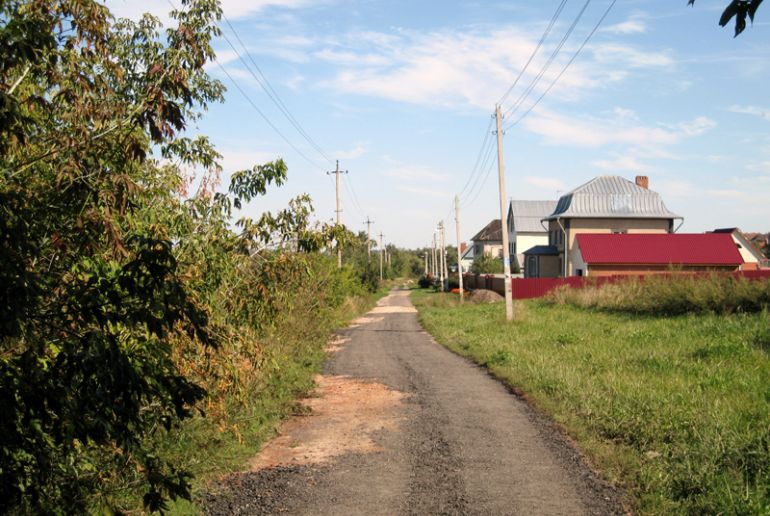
676, 410
672, 295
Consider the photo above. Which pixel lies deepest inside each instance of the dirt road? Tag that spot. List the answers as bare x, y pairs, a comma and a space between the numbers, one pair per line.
400, 425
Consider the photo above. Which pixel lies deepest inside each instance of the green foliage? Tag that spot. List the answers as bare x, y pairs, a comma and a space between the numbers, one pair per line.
673, 409
672, 295
738, 9
425, 282
487, 264
123, 306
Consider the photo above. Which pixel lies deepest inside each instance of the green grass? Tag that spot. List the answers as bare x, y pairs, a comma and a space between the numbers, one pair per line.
676, 410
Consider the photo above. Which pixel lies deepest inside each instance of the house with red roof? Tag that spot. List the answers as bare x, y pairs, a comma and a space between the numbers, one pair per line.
651, 253
606, 204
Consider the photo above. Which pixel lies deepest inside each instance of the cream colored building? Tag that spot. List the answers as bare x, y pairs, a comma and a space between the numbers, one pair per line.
753, 258
525, 229
606, 204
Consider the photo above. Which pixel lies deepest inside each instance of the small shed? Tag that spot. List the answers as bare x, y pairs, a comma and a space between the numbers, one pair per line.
636, 254
542, 261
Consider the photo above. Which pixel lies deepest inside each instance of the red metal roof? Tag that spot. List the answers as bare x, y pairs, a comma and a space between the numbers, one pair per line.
659, 249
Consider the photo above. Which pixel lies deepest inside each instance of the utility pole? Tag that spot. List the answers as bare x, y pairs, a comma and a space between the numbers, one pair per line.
443, 252
503, 215
459, 256
440, 255
381, 251
435, 268
426, 262
337, 173
369, 238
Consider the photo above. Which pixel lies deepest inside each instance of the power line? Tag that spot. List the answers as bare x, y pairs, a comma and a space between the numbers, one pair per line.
486, 176
269, 90
548, 63
534, 52
572, 59
253, 104
266, 119
354, 200
484, 143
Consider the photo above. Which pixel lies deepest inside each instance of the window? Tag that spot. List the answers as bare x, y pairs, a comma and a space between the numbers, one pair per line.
579, 272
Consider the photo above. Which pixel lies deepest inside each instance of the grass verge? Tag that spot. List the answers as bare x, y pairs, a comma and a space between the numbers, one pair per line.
676, 410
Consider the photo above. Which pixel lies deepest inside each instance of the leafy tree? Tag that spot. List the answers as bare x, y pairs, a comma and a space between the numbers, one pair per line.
107, 277
738, 9
487, 264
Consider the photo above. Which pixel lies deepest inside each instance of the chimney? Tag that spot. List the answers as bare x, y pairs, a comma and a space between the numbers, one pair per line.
643, 181
463, 247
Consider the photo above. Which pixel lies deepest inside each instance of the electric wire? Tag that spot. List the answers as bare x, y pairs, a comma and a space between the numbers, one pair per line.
480, 179
264, 83
566, 66
547, 31
354, 199
548, 63
487, 133
254, 105
486, 177
264, 117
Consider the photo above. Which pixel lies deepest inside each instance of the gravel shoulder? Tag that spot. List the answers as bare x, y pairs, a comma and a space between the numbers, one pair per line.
400, 425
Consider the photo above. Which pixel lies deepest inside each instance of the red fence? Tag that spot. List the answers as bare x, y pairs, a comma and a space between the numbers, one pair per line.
527, 288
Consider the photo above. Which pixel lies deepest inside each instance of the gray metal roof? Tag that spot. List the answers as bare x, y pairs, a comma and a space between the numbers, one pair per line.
542, 250
528, 214
611, 197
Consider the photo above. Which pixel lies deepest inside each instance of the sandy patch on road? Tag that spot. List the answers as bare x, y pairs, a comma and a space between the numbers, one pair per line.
336, 344
394, 310
365, 320
345, 416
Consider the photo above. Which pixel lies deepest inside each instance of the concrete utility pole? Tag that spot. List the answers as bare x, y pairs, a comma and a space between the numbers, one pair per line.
441, 254
339, 209
426, 262
503, 216
459, 256
369, 238
445, 269
435, 268
381, 251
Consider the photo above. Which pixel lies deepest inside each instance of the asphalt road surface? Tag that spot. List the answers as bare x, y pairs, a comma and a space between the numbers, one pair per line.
401, 425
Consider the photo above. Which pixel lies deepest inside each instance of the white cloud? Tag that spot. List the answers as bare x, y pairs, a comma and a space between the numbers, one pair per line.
697, 127
677, 188
234, 159
547, 183
624, 113
622, 163
596, 132
762, 166
468, 69
358, 150
584, 132
727, 193
751, 110
633, 25
233, 9
613, 53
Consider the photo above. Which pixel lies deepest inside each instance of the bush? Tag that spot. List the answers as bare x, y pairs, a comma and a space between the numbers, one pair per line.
672, 295
487, 264
425, 282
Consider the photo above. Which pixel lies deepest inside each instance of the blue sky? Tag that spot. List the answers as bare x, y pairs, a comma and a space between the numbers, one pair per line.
402, 92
